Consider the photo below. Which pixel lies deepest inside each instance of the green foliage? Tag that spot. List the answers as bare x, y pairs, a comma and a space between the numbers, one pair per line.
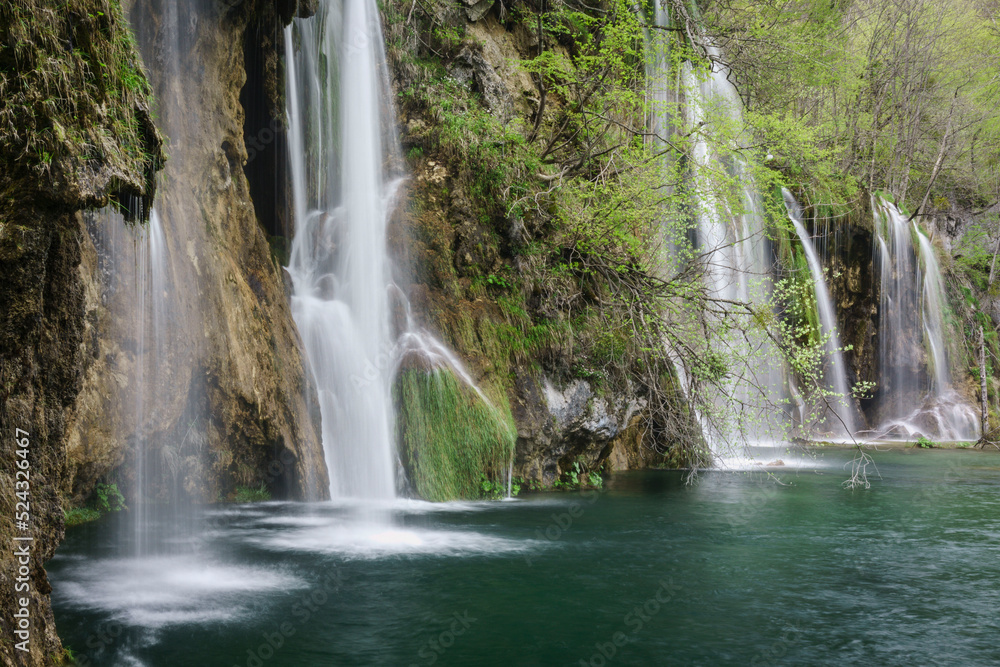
497, 490
107, 498
867, 94
577, 476
498, 281
495, 161
247, 494
923, 442
454, 443
974, 254
104, 499
66, 657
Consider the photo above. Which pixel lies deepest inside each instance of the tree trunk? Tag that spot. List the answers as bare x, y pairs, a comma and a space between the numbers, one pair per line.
993, 265
982, 382
937, 163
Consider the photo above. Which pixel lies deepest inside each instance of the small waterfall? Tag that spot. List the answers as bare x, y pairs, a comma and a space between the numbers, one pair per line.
150, 320
133, 272
900, 365
914, 364
932, 310
737, 260
844, 422
953, 416
338, 115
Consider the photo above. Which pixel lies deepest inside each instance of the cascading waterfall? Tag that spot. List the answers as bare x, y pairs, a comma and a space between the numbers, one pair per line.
914, 364
340, 272
844, 421
738, 267
954, 417
342, 144
932, 315
899, 347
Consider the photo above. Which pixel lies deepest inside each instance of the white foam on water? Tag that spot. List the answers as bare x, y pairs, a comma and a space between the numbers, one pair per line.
153, 593
773, 459
358, 539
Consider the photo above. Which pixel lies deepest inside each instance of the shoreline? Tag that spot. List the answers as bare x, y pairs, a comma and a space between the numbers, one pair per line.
878, 445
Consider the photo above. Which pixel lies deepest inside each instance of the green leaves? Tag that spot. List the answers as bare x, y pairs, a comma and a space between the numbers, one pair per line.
107, 498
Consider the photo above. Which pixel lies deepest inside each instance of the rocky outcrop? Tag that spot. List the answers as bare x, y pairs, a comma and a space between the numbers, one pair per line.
224, 395
559, 427
206, 374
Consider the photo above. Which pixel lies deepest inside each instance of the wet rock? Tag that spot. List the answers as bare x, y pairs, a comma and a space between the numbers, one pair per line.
558, 426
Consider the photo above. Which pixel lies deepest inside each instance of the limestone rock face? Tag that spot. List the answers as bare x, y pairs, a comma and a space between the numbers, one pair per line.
41, 330
223, 391
477, 9
472, 69
230, 401
559, 426
853, 286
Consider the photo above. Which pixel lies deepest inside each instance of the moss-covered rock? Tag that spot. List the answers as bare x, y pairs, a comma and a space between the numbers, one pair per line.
75, 120
452, 437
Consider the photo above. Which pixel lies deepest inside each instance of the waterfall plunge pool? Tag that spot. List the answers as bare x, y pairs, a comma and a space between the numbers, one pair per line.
735, 568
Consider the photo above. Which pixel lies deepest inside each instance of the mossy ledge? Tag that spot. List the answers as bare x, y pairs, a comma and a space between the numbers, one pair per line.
76, 130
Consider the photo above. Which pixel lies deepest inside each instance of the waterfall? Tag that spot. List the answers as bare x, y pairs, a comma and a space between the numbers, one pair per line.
844, 422
337, 88
899, 313
953, 416
914, 365
932, 315
733, 244
150, 321
133, 275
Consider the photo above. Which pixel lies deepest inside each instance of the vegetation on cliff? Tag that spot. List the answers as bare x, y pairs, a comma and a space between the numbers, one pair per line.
75, 119
542, 188
564, 174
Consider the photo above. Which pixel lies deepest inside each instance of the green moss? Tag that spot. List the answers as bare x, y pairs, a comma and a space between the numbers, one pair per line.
451, 439
77, 515
76, 117
106, 498
247, 494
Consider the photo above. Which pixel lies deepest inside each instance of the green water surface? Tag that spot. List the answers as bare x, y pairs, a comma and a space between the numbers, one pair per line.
735, 568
